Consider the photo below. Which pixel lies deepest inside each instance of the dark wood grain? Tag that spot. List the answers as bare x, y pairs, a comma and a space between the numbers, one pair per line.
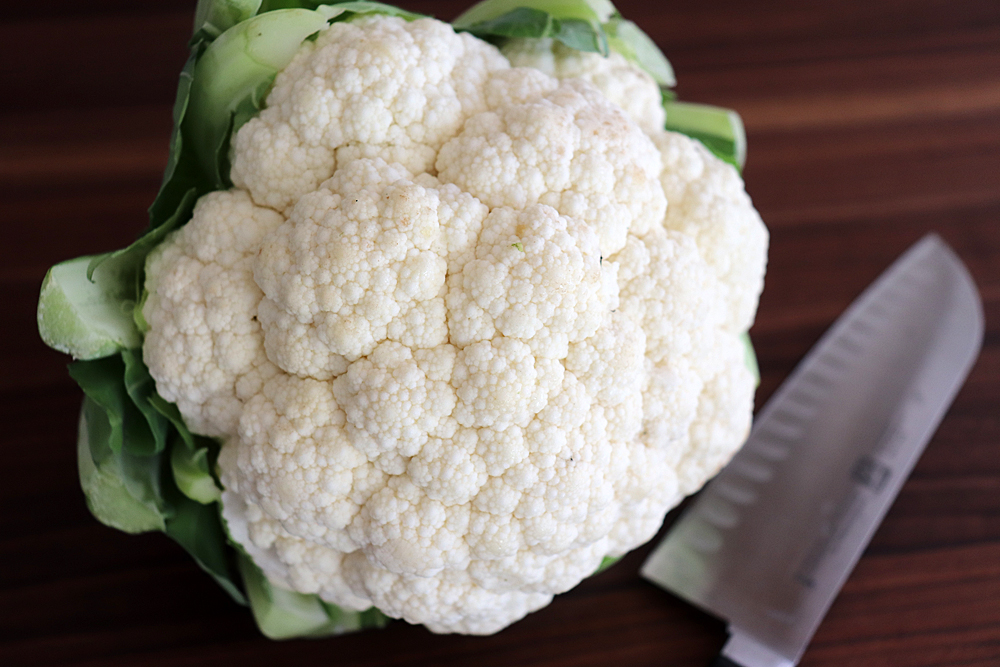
869, 123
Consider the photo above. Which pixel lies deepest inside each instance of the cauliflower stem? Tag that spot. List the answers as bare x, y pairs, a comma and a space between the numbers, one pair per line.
418, 362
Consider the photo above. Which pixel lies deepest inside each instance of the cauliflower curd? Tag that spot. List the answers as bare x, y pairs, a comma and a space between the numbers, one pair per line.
464, 329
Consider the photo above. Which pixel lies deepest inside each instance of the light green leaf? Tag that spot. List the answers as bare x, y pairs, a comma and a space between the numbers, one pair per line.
191, 457
104, 477
581, 35
284, 614
119, 434
231, 79
347, 10
520, 22
182, 174
721, 130
102, 382
141, 389
525, 22
84, 318
125, 268
216, 16
607, 562
576, 23
750, 357
272, 5
121, 484
86, 306
280, 613
591, 11
629, 40
534, 24
192, 473
343, 620
198, 528
235, 70
140, 320
580, 24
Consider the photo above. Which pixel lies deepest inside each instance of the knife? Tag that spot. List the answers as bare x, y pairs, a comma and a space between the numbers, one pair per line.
770, 541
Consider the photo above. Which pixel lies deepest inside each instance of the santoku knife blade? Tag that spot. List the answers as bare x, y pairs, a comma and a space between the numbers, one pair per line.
770, 541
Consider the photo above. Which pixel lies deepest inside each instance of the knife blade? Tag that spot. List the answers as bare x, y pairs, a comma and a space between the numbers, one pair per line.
770, 541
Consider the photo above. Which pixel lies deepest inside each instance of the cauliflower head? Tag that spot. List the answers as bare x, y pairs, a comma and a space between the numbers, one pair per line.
463, 328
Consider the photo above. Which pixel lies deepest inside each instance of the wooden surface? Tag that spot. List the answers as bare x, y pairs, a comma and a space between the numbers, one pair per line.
870, 123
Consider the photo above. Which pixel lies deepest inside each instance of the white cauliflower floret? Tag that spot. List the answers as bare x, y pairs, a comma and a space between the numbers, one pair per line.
612, 365
718, 429
450, 602
501, 383
375, 87
708, 203
536, 277
392, 405
491, 337
362, 259
619, 80
570, 149
204, 340
706, 195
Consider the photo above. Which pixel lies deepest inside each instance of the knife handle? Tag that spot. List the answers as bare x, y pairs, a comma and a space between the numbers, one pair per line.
723, 661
